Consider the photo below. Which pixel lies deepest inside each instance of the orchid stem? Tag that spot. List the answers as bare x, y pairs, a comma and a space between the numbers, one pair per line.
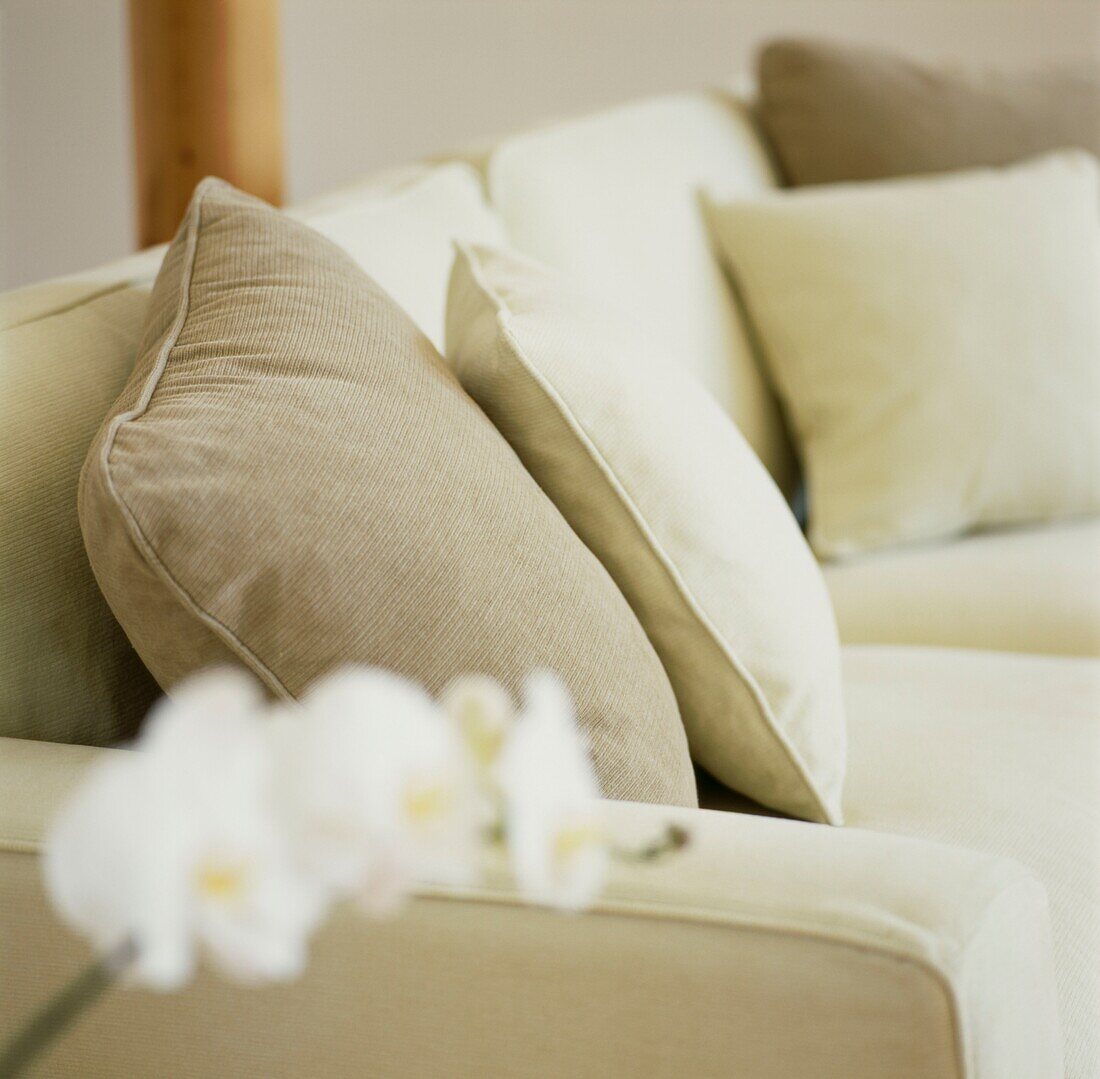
674, 838
62, 1010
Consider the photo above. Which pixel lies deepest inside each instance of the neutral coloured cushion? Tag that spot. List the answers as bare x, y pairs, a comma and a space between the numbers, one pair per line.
998, 753
613, 199
67, 671
937, 344
837, 112
292, 480
658, 482
400, 230
1016, 590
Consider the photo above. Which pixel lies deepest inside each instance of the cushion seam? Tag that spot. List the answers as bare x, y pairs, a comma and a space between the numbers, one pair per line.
64, 309
134, 530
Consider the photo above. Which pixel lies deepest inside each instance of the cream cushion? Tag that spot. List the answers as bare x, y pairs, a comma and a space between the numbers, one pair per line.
67, 671
613, 199
400, 229
1018, 590
999, 753
937, 343
658, 482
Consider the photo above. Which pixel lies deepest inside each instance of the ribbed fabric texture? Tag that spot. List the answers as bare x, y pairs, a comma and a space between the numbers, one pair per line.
293, 480
67, 347
841, 112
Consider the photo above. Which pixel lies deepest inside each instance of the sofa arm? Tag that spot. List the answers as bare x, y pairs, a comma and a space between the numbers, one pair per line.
768, 948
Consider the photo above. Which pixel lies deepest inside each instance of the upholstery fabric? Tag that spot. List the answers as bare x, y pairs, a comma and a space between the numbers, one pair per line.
840, 112
400, 232
999, 753
292, 480
1019, 590
768, 948
657, 481
67, 671
937, 344
613, 199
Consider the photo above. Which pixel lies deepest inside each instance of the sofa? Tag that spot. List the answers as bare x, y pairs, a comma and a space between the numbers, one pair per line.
951, 928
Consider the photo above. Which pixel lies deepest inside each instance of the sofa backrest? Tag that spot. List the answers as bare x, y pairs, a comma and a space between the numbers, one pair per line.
614, 200
67, 672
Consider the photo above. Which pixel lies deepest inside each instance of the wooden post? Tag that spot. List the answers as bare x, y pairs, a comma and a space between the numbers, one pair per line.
206, 87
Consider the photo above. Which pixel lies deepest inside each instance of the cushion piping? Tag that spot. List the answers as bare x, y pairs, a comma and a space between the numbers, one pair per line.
137, 536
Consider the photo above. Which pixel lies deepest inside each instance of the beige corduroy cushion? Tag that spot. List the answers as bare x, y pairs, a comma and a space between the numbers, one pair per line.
660, 484
843, 112
937, 344
67, 347
292, 480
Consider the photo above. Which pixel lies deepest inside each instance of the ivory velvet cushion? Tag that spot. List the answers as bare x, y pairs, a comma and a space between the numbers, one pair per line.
937, 344
842, 112
659, 483
292, 480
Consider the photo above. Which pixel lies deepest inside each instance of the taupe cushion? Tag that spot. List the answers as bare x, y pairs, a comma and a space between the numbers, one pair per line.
67, 347
292, 480
839, 112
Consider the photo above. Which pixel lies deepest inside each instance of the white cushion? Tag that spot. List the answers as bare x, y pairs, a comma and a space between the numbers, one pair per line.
999, 753
1023, 590
400, 229
657, 481
613, 199
937, 342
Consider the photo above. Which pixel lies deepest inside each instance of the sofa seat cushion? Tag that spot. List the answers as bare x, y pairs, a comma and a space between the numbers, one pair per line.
999, 753
614, 200
1021, 590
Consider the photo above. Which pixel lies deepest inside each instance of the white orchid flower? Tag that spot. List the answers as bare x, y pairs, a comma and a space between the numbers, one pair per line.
482, 710
557, 845
173, 847
379, 789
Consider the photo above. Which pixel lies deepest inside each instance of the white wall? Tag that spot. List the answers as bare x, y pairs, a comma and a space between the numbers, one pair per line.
66, 182
380, 82
372, 83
